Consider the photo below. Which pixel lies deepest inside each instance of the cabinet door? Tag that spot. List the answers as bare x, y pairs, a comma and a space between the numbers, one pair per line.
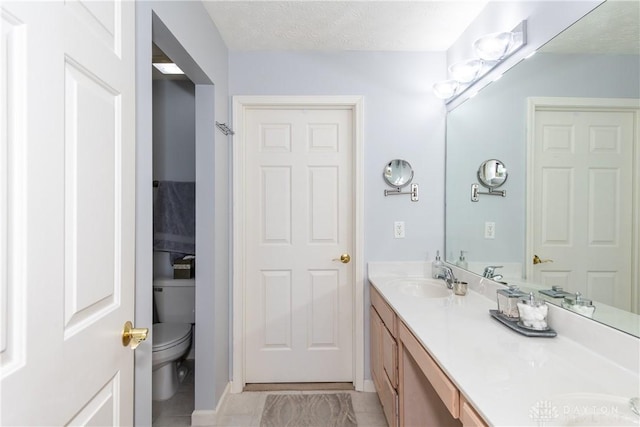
384, 310
389, 401
419, 403
376, 327
390, 357
468, 415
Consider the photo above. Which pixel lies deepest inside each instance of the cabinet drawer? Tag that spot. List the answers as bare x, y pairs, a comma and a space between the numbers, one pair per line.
389, 401
443, 386
468, 416
390, 357
386, 313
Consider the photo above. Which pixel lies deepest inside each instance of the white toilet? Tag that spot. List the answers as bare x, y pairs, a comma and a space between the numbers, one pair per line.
175, 304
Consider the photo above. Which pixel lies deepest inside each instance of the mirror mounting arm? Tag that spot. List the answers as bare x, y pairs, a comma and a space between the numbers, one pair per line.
397, 191
475, 192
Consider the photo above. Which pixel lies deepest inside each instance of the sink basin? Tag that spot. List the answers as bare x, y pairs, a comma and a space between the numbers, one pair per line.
423, 288
585, 409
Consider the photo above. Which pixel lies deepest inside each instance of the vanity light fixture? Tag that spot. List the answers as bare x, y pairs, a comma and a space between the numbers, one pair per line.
491, 50
168, 68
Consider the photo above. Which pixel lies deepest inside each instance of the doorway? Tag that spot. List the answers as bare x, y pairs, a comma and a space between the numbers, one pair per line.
297, 209
212, 291
174, 176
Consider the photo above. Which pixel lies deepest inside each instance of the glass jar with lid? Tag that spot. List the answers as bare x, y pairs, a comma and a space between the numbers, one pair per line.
508, 301
579, 304
533, 313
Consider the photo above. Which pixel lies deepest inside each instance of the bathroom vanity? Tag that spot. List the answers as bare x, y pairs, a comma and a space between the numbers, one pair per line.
440, 359
413, 390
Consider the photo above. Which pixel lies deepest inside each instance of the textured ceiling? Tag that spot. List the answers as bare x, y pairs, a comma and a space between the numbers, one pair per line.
612, 28
327, 25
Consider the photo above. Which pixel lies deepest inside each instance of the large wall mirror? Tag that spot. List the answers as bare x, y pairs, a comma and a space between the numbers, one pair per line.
566, 123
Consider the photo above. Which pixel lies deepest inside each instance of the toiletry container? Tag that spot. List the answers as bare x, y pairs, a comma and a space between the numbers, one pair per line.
172, 338
436, 265
578, 304
508, 301
533, 313
462, 262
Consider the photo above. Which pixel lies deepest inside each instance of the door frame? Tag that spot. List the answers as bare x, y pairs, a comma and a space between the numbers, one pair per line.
240, 106
535, 104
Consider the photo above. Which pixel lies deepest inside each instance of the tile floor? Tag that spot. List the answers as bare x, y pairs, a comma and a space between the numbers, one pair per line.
245, 409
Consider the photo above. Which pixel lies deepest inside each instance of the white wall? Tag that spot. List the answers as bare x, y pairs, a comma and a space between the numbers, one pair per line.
185, 32
493, 125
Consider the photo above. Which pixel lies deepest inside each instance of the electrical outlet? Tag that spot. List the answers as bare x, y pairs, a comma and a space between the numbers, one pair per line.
398, 229
489, 230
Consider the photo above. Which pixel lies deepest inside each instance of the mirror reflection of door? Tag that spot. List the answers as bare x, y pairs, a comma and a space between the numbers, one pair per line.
581, 210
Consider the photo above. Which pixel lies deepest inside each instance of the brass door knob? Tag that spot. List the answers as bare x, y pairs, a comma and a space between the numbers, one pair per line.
537, 260
133, 336
344, 258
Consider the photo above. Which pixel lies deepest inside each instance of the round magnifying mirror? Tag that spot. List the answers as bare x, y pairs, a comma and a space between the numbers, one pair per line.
398, 173
492, 173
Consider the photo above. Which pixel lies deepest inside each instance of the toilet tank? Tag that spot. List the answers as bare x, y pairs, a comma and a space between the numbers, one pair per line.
175, 300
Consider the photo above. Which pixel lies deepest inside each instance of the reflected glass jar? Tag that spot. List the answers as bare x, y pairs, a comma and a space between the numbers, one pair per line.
508, 301
578, 304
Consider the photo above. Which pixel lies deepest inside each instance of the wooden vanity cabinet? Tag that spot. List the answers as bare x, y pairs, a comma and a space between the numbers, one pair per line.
426, 395
384, 356
468, 416
412, 388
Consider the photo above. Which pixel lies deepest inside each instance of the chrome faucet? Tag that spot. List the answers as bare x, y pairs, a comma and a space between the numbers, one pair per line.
445, 273
489, 272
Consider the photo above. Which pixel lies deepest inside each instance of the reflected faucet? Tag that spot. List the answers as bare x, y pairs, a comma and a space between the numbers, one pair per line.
445, 273
634, 403
489, 273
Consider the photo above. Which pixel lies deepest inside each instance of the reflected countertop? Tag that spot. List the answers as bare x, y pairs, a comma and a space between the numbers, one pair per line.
509, 378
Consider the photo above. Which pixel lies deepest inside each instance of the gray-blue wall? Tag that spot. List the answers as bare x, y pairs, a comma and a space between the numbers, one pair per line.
402, 119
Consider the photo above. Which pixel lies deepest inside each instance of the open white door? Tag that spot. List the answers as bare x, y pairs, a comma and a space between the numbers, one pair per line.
67, 174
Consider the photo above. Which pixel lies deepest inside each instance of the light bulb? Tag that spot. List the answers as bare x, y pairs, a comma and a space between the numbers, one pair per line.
466, 71
445, 89
493, 47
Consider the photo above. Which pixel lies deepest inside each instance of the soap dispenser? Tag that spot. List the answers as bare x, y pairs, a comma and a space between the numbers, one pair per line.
462, 262
436, 266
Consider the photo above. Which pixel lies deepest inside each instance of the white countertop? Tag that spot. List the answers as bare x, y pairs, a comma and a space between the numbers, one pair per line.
506, 376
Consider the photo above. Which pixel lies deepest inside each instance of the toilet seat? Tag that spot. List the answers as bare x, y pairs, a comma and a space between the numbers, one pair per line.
167, 335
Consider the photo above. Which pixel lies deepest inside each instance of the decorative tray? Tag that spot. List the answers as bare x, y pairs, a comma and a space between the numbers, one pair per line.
513, 324
554, 294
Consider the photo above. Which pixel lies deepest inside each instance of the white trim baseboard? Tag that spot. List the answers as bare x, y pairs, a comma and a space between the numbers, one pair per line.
240, 103
369, 386
207, 417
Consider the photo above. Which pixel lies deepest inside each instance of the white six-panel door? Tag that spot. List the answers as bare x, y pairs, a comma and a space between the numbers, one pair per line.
582, 202
67, 163
299, 199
